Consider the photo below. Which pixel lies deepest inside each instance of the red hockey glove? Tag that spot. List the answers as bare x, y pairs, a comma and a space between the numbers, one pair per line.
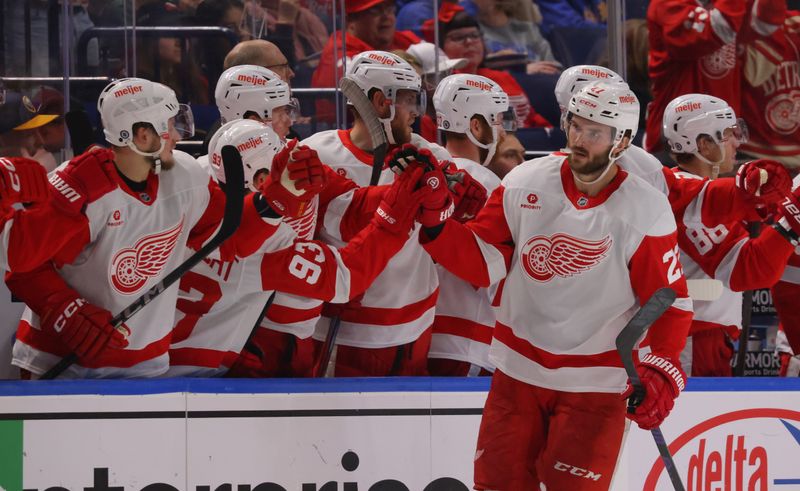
789, 212
403, 156
767, 181
770, 12
84, 328
468, 193
249, 363
663, 380
86, 178
22, 181
402, 201
438, 206
296, 176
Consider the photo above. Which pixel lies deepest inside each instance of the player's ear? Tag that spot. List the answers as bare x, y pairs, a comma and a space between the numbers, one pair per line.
381, 103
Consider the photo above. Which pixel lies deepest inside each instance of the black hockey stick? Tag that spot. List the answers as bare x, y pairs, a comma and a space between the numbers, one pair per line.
631, 334
234, 196
380, 145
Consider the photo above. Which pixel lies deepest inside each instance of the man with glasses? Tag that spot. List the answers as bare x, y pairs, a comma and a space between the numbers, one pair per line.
558, 230
137, 209
370, 26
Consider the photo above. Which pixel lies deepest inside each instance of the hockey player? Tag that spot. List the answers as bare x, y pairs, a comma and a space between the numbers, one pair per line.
470, 111
635, 160
786, 292
577, 224
221, 301
254, 92
703, 134
387, 331
139, 208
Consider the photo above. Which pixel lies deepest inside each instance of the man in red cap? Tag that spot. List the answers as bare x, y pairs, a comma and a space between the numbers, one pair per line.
370, 25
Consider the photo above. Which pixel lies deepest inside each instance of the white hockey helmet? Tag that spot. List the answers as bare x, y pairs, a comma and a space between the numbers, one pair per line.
253, 88
613, 105
128, 101
688, 116
388, 73
577, 77
256, 142
460, 97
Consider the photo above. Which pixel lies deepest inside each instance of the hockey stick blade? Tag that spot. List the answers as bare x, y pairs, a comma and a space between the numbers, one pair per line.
234, 198
658, 303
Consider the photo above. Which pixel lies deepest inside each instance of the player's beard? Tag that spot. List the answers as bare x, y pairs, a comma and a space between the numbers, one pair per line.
591, 167
401, 131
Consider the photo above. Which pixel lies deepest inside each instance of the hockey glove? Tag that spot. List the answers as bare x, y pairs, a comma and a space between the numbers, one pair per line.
22, 181
86, 178
468, 193
663, 381
438, 206
400, 158
764, 180
788, 224
84, 328
401, 202
296, 176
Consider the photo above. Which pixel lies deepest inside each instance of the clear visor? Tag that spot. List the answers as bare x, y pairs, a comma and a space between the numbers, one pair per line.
413, 101
508, 119
184, 122
293, 109
740, 131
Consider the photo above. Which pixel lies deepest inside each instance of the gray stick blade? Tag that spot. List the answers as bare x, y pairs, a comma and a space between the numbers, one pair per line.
365, 109
658, 303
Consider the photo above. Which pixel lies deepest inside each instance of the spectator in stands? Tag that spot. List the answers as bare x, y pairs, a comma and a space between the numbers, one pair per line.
510, 153
411, 15
19, 122
693, 49
571, 13
370, 26
163, 60
295, 29
508, 28
460, 37
49, 125
425, 55
212, 51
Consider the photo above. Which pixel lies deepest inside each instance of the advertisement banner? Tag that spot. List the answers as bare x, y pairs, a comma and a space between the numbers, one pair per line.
210, 437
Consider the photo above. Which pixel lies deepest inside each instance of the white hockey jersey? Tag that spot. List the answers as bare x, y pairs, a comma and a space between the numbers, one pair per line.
399, 305
576, 269
462, 326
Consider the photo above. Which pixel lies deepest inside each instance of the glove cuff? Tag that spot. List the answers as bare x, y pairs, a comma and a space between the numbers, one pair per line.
670, 371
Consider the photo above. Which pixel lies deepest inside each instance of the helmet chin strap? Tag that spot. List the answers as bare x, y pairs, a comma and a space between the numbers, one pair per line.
491, 148
154, 155
714, 165
387, 125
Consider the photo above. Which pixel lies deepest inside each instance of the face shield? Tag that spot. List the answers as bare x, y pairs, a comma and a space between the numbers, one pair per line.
509, 120
412, 101
184, 122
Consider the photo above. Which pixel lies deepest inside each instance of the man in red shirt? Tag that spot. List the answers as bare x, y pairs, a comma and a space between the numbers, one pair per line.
370, 25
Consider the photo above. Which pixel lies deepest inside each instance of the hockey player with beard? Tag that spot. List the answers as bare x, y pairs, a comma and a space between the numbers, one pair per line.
555, 229
139, 208
470, 111
703, 134
387, 331
221, 301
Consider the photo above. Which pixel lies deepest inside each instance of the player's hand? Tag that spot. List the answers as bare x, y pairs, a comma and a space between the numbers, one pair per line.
765, 180
85, 179
400, 158
402, 201
468, 193
296, 176
22, 181
84, 328
663, 381
438, 206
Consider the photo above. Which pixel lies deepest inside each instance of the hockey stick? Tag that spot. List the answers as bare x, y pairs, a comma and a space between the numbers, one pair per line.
234, 196
380, 144
626, 340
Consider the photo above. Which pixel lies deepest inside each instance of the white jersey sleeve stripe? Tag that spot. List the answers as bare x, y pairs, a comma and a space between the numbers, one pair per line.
791, 275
